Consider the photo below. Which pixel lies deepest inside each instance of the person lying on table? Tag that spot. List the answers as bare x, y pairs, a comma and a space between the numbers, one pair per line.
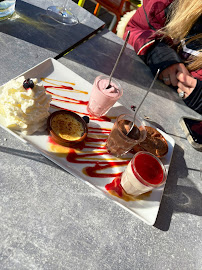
167, 34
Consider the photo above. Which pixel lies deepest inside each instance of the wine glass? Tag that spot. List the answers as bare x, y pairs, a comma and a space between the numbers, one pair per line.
61, 14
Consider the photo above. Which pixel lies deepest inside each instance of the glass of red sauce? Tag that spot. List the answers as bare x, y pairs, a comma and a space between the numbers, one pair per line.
144, 173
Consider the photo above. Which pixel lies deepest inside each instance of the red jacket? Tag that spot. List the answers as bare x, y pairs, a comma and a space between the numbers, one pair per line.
157, 54
141, 36
151, 16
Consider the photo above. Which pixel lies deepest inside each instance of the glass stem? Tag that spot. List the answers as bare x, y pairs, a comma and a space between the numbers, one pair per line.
65, 4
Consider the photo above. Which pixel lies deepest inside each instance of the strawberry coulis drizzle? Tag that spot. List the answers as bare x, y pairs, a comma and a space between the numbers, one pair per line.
59, 87
101, 119
72, 156
101, 165
115, 188
67, 99
99, 130
72, 102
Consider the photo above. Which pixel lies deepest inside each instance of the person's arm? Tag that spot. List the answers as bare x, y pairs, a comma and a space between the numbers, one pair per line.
141, 37
161, 56
143, 28
145, 22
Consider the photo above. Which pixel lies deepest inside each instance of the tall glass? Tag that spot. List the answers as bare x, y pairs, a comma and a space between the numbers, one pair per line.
7, 8
61, 14
103, 98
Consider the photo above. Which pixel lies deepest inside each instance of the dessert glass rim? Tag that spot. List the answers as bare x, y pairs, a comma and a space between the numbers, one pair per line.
124, 135
101, 77
143, 181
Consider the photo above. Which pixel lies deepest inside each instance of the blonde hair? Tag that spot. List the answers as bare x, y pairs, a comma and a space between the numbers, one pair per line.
182, 16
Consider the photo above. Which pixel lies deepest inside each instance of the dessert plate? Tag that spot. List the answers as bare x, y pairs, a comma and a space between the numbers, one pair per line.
90, 162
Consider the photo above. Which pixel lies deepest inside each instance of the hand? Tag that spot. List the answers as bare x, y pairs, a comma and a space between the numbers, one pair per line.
169, 75
186, 83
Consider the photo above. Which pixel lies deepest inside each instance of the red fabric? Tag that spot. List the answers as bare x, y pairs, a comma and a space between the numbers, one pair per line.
141, 33
142, 36
197, 74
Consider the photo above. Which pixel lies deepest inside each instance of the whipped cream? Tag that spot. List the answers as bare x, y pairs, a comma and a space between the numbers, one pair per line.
24, 110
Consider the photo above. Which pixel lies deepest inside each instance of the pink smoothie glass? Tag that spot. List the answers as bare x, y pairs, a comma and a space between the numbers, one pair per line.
102, 99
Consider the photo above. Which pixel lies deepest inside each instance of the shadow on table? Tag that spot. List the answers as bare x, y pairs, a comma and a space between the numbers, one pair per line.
178, 198
29, 155
31, 24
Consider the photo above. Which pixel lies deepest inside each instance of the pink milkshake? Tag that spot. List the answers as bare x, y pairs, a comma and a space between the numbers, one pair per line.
102, 99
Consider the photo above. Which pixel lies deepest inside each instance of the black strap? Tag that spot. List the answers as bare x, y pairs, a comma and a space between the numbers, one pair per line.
148, 20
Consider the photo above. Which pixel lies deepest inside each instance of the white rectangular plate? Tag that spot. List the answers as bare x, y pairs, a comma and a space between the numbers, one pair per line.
58, 77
